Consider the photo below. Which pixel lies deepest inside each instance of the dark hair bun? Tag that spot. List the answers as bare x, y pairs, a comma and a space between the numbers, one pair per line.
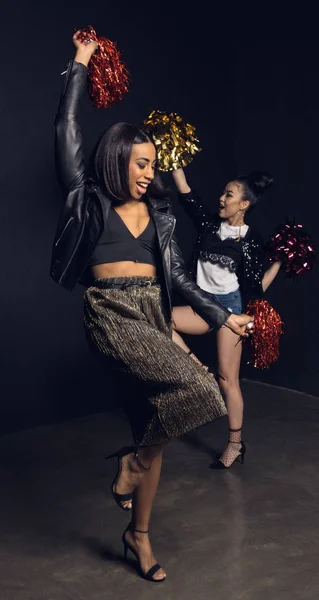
259, 182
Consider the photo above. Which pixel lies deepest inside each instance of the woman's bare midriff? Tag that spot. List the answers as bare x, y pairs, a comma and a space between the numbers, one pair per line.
123, 268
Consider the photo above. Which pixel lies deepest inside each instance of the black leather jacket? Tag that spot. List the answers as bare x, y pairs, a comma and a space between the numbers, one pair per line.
251, 269
81, 221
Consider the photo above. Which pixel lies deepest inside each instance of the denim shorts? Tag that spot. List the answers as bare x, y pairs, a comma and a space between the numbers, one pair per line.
231, 301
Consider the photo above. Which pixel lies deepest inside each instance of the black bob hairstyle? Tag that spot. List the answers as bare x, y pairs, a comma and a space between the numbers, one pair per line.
111, 157
255, 185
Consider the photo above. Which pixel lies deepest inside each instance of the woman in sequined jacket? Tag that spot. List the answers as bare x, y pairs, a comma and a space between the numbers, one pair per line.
228, 262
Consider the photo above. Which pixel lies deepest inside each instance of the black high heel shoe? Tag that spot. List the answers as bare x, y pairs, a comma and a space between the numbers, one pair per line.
154, 569
218, 464
120, 498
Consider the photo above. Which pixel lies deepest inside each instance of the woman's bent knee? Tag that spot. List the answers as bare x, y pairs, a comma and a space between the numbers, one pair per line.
224, 380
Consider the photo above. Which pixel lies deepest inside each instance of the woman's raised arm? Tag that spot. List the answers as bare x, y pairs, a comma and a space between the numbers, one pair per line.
69, 156
190, 200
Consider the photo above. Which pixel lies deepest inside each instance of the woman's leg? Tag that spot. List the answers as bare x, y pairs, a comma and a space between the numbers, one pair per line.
143, 498
134, 467
176, 396
187, 321
184, 320
229, 356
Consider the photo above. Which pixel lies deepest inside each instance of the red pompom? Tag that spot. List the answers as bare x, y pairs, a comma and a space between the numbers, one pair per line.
292, 246
107, 75
264, 342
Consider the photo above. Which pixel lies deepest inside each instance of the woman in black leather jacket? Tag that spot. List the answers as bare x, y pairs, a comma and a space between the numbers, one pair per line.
228, 263
116, 235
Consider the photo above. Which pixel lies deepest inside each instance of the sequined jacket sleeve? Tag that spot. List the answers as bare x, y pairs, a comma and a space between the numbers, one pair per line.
200, 215
253, 268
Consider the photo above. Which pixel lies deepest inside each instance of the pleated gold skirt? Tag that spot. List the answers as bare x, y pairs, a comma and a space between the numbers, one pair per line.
129, 328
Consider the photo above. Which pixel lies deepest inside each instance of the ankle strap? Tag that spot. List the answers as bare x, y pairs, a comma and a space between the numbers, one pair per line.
133, 529
139, 530
140, 464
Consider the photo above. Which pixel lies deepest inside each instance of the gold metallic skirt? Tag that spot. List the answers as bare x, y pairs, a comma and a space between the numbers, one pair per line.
126, 324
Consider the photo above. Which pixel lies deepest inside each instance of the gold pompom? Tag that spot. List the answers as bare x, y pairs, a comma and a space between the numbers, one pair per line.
175, 140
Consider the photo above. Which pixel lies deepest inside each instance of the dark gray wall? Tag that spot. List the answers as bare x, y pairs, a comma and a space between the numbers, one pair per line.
243, 120
47, 372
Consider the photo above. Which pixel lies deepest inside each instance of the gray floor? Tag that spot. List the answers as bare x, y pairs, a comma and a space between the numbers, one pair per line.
250, 533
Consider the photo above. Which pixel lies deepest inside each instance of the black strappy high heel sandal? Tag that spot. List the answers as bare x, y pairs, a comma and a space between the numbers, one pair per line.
218, 464
120, 498
154, 569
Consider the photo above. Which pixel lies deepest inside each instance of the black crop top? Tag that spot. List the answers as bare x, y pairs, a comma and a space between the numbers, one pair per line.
228, 252
117, 243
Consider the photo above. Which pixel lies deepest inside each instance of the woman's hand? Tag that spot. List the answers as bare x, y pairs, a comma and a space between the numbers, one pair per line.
238, 324
181, 181
84, 50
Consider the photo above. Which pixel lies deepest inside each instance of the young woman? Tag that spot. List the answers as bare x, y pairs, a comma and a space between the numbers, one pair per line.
116, 235
228, 263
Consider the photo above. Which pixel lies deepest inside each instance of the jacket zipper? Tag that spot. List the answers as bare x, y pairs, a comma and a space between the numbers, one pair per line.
168, 294
172, 220
67, 75
63, 231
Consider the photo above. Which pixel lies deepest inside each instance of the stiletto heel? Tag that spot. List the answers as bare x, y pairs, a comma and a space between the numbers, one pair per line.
149, 575
125, 548
241, 457
120, 498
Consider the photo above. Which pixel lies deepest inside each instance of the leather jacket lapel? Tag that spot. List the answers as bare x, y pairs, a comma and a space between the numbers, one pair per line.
164, 224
